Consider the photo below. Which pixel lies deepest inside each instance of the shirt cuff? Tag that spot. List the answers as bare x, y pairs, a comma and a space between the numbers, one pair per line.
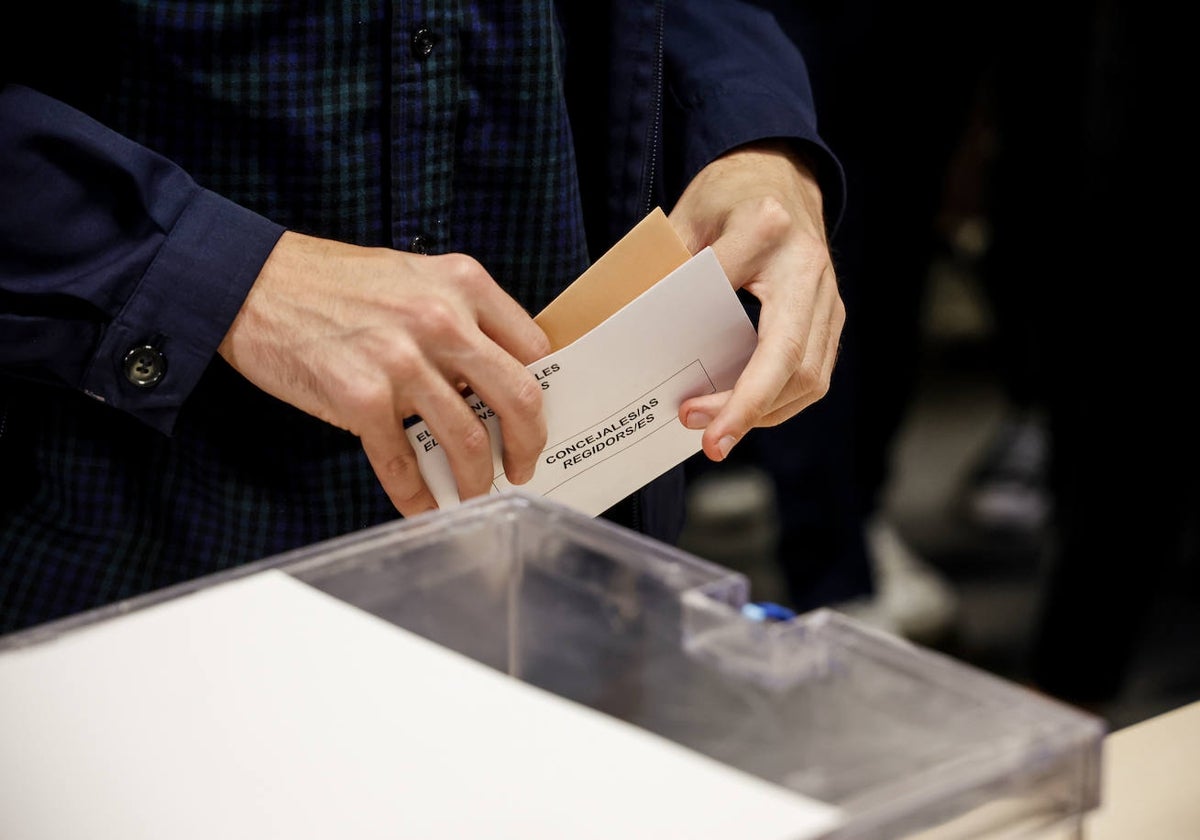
716, 123
152, 355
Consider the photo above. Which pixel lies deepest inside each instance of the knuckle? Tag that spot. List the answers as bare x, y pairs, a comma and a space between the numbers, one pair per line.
839, 318
402, 472
402, 362
527, 399
440, 320
774, 219
401, 478
813, 380
366, 396
465, 270
476, 441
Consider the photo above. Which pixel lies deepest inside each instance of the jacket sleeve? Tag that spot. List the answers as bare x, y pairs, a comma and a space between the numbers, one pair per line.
735, 74
106, 247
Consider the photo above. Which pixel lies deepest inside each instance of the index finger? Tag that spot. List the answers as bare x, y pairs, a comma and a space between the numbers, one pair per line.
780, 379
502, 319
514, 394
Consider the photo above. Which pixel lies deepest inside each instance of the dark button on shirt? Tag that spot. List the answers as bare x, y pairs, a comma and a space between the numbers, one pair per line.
420, 244
423, 42
144, 366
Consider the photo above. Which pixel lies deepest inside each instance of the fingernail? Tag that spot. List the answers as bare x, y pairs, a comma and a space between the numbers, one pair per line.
698, 420
725, 444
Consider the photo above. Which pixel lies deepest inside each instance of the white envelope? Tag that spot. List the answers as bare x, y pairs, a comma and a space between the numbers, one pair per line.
629, 352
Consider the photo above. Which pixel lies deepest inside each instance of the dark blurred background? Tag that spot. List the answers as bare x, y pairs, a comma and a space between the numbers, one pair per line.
1006, 465
985, 541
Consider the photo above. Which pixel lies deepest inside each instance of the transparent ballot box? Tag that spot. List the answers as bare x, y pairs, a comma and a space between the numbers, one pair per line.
890, 739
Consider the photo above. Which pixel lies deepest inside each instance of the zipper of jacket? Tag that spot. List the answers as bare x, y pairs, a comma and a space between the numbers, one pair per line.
648, 175
648, 170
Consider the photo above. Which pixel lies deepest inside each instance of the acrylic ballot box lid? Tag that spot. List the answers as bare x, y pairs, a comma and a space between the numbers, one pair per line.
897, 740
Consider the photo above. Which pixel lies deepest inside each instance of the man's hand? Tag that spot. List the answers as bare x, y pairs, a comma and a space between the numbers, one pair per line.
760, 209
364, 337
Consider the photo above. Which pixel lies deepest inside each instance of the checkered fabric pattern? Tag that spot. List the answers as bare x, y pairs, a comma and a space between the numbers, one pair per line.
368, 122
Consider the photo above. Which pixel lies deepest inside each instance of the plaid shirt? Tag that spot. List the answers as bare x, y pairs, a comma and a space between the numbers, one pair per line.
434, 125
368, 122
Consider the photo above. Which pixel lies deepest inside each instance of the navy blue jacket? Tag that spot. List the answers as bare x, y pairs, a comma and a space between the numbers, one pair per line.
105, 244
688, 81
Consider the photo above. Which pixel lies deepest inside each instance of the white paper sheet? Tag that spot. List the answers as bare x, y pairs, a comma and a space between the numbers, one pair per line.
263, 708
611, 398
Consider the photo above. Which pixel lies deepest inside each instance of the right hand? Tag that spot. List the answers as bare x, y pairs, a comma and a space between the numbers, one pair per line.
365, 337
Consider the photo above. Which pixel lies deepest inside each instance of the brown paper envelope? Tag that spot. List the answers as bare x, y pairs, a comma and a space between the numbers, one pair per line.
642, 257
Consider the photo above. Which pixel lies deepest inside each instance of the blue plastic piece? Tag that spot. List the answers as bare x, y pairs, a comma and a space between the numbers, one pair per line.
767, 611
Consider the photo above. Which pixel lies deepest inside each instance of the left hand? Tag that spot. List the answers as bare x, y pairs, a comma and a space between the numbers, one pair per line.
760, 208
